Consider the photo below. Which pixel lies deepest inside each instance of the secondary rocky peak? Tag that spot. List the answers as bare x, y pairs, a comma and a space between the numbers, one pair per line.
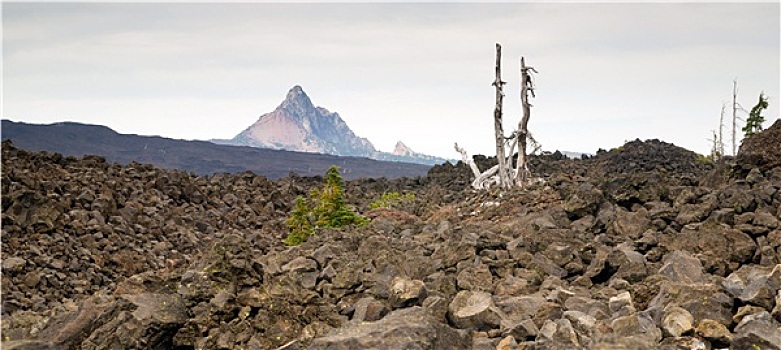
402, 150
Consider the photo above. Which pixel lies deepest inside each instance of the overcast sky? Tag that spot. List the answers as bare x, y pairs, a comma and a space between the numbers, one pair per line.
420, 73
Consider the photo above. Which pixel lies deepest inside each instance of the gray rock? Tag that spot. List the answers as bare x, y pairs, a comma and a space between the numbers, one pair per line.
614, 342
481, 341
776, 312
621, 304
757, 333
681, 266
582, 323
405, 292
714, 332
718, 246
558, 332
369, 309
703, 301
437, 306
477, 278
450, 253
520, 307
476, 310
300, 264
546, 266
409, 328
324, 254
765, 219
29, 345
547, 311
639, 324
596, 270
683, 343
595, 308
153, 322
629, 264
737, 196
676, 321
755, 285
746, 310
13, 264
512, 285
584, 201
519, 329
630, 224
68, 330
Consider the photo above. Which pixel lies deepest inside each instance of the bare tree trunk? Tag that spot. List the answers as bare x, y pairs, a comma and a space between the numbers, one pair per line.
469, 161
521, 168
721, 128
499, 132
734, 116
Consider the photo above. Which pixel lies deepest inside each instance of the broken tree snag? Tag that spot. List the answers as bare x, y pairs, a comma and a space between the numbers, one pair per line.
504, 175
471, 162
482, 181
522, 135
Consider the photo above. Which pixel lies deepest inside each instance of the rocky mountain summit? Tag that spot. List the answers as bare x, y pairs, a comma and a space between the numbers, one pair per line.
297, 125
646, 246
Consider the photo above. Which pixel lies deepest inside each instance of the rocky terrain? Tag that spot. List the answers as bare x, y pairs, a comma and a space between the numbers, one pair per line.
647, 246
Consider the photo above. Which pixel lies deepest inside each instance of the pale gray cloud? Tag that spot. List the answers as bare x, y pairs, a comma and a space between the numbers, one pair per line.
416, 72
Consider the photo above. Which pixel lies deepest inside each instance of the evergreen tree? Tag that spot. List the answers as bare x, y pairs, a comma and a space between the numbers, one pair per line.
330, 210
299, 223
755, 118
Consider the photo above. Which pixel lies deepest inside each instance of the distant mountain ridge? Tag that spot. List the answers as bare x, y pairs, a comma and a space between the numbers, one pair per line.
297, 125
200, 157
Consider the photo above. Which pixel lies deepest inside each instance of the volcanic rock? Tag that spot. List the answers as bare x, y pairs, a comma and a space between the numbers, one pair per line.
402, 329
762, 149
474, 309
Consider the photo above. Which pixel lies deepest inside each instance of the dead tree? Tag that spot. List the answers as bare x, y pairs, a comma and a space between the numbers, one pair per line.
734, 115
522, 173
717, 142
735, 108
720, 143
504, 176
503, 173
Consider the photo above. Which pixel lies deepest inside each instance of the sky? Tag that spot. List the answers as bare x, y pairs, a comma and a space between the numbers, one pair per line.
416, 72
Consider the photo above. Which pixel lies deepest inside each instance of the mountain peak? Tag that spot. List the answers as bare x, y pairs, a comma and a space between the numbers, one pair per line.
297, 125
402, 150
295, 91
297, 98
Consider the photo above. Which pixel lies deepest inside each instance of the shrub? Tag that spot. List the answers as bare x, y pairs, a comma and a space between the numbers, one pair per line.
326, 208
393, 200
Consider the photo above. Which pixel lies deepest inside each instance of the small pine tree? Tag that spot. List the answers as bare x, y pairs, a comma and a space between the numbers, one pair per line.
299, 223
755, 118
330, 210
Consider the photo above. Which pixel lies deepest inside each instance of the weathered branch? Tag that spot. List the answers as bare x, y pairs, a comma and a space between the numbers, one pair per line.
471, 162
482, 180
486, 179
